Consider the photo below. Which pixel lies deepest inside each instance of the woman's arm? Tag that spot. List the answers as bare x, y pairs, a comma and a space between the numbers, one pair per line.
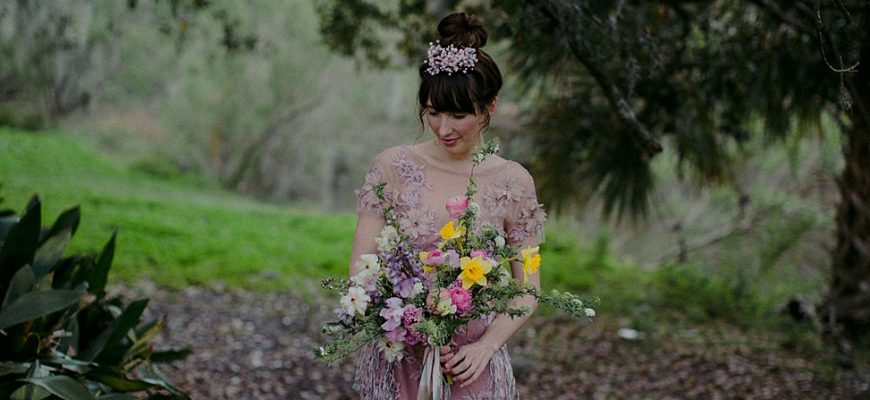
368, 227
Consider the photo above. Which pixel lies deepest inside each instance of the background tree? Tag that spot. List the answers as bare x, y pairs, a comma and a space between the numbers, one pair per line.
612, 80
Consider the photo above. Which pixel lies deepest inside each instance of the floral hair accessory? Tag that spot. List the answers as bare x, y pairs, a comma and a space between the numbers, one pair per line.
450, 59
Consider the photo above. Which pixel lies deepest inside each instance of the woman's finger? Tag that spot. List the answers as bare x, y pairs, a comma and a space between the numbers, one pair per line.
456, 359
467, 373
477, 373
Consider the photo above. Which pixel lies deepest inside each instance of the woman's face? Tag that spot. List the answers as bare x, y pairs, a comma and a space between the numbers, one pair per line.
456, 133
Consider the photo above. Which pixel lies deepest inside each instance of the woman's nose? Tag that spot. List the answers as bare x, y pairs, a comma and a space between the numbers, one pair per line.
444, 126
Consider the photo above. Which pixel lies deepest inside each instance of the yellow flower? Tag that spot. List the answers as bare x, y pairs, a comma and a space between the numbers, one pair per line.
474, 270
424, 255
449, 232
530, 262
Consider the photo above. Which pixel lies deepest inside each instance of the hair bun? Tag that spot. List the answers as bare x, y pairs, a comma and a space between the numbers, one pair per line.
462, 30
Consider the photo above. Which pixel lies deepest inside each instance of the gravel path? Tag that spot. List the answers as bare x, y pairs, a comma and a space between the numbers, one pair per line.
251, 345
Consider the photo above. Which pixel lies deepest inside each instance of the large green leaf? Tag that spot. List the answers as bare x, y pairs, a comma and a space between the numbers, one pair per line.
6, 223
12, 367
115, 378
68, 363
68, 219
129, 319
30, 391
21, 283
104, 262
115, 350
49, 252
33, 305
63, 386
21, 242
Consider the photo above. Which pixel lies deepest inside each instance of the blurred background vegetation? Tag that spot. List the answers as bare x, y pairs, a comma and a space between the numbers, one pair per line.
224, 141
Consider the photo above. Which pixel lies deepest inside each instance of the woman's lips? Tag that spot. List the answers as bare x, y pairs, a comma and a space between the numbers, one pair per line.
449, 142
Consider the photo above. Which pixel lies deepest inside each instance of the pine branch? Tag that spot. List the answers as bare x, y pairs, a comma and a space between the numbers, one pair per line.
567, 16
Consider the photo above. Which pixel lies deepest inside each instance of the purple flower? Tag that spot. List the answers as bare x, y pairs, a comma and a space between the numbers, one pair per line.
392, 314
397, 335
408, 287
342, 314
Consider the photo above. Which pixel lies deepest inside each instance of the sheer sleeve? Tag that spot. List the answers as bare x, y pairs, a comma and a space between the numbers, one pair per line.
367, 201
525, 220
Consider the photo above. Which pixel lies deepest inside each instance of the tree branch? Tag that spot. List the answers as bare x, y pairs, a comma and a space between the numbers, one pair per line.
783, 17
567, 16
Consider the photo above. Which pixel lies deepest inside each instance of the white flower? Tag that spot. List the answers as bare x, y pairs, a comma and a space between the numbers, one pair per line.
355, 301
365, 278
499, 241
418, 288
589, 312
445, 307
579, 303
369, 262
392, 350
388, 235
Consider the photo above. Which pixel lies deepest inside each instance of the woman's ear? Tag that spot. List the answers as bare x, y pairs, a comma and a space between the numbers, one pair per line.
492, 106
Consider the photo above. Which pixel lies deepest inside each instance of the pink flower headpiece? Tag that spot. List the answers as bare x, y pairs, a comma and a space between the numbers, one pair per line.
450, 59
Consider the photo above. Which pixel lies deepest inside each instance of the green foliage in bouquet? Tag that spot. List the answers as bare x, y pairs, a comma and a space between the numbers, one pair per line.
61, 336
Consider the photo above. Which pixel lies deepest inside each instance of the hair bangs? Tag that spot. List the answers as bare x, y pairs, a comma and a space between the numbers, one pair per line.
448, 93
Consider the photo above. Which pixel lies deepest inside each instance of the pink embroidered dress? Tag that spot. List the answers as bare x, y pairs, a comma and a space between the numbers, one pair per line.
418, 187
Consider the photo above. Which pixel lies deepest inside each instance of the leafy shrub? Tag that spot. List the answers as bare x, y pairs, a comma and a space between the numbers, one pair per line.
11, 116
701, 297
60, 335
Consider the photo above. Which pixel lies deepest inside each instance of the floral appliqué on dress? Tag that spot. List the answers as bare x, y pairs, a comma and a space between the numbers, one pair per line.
501, 194
415, 219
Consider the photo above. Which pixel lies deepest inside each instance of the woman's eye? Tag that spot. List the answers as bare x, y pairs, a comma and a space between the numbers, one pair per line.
459, 116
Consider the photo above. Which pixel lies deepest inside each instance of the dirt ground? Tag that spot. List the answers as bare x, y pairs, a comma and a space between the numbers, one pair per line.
251, 345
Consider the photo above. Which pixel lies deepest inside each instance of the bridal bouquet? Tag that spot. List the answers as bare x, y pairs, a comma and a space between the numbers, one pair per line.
404, 296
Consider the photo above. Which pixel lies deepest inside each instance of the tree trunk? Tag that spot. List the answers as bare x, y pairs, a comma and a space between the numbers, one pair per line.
848, 303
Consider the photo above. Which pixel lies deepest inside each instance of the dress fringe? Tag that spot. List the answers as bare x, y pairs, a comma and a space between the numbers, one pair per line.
371, 382
502, 384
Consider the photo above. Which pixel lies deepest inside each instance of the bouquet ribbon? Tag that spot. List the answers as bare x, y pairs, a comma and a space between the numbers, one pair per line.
432, 385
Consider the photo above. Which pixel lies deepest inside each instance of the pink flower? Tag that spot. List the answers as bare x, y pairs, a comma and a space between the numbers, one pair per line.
461, 298
479, 253
436, 257
456, 206
411, 316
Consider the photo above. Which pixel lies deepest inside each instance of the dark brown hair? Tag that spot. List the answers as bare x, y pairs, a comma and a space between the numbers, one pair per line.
467, 92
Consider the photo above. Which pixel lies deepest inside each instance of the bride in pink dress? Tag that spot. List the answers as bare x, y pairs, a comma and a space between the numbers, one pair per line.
458, 93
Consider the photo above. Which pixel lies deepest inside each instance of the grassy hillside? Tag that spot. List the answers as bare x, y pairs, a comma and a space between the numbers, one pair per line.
174, 231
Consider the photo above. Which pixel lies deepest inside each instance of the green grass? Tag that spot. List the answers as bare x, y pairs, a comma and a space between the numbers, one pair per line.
176, 231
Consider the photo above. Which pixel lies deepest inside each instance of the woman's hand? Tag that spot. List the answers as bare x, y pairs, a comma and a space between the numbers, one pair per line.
468, 362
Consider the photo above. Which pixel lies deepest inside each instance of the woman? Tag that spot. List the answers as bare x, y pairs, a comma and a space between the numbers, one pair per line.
458, 93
